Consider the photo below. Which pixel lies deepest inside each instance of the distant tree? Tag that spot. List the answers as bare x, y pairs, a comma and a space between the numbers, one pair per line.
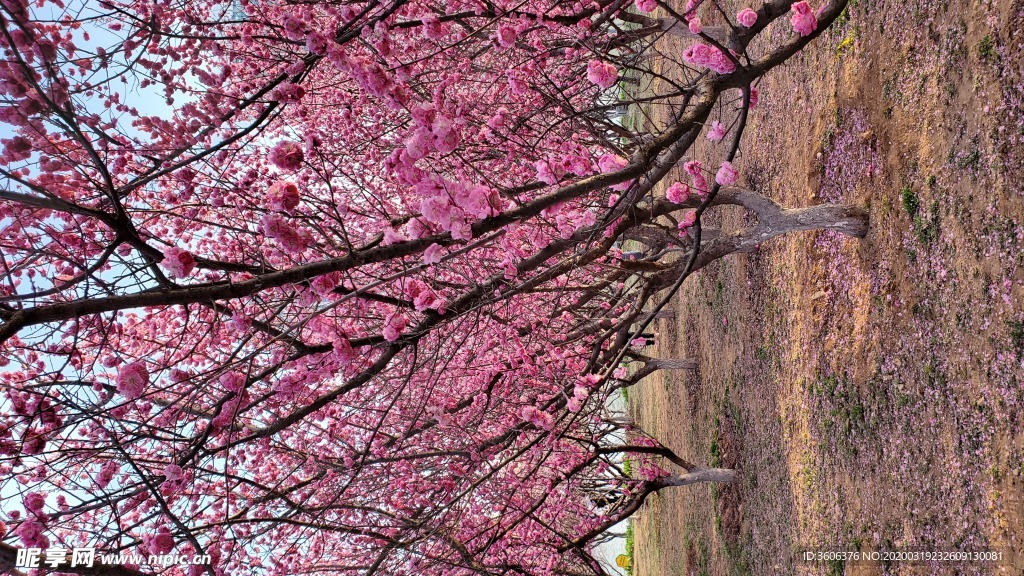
337, 287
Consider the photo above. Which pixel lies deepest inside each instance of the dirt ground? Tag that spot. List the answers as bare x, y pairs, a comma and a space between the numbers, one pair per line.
869, 392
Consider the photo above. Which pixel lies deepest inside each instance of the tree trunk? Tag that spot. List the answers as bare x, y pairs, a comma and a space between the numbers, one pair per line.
698, 475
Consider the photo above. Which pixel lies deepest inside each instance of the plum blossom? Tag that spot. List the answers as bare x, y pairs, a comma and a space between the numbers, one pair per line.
159, 543
476, 201
423, 296
727, 175
282, 196
646, 5
611, 163
317, 43
393, 326
288, 92
107, 472
695, 25
678, 193
324, 285
707, 56
286, 155
746, 17
695, 169
548, 172
34, 502
179, 263
604, 74
717, 131
392, 237
232, 381
506, 36
689, 219
173, 472
132, 379
290, 239
803, 19
30, 532
537, 417
433, 254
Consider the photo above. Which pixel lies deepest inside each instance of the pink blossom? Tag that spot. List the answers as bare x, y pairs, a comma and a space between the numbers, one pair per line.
476, 201
317, 43
392, 237
717, 131
755, 95
132, 379
548, 172
727, 175
325, 284
288, 92
173, 472
498, 119
278, 228
803, 19
423, 296
612, 163
678, 193
417, 228
437, 210
646, 5
689, 219
232, 381
604, 74
34, 502
286, 155
160, 543
107, 472
393, 326
506, 36
282, 196
419, 143
179, 263
433, 254
746, 17
30, 532
707, 56
695, 169
695, 25
537, 417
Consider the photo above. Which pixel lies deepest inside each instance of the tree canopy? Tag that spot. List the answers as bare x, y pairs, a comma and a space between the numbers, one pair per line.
339, 287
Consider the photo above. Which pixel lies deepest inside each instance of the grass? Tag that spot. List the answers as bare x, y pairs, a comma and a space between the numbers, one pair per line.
926, 228
1016, 335
842, 413
987, 49
630, 543
911, 203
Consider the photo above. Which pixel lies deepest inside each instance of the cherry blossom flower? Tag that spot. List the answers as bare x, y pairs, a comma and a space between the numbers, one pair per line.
746, 17
678, 193
717, 131
179, 263
393, 326
433, 254
506, 36
604, 74
286, 155
132, 379
727, 175
278, 228
282, 196
803, 19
